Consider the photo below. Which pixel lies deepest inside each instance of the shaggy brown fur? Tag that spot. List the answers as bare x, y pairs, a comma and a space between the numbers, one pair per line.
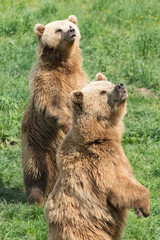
48, 115
96, 185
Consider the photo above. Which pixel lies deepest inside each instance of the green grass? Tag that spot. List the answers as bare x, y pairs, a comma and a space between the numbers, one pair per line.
120, 39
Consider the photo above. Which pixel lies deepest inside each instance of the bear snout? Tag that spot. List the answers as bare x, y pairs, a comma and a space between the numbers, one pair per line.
71, 30
120, 87
121, 91
69, 34
72, 33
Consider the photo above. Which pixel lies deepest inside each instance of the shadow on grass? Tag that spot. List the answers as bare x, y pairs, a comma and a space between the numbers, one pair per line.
11, 195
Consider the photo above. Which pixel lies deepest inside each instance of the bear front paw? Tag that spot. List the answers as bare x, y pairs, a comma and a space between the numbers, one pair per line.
143, 206
138, 213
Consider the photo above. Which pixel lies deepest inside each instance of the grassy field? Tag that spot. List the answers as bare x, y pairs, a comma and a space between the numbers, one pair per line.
119, 38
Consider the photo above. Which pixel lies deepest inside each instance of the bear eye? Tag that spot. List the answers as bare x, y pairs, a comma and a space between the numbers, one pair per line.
103, 92
58, 30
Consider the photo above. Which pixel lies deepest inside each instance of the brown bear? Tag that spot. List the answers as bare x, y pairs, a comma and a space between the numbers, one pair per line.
96, 185
47, 118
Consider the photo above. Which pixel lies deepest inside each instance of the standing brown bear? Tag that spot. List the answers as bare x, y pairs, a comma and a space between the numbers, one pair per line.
47, 118
96, 185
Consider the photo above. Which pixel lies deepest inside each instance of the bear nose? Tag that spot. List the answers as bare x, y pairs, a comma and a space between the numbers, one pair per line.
71, 30
120, 87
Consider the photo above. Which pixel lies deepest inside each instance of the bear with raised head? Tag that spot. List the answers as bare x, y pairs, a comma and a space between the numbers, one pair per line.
96, 185
47, 118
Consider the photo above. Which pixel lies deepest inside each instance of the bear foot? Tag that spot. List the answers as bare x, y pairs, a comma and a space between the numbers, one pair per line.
36, 196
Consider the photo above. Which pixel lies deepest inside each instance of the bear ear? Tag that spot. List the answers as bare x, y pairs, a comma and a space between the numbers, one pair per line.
77, 97
73, 19
39, 29
100, 77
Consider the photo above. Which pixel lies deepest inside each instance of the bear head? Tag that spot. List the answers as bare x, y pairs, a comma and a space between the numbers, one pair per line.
99, 102
59, 36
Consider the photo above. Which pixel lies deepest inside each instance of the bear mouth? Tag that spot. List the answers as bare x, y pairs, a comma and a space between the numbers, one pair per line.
73, 37
70, 38
124, 96
124, 93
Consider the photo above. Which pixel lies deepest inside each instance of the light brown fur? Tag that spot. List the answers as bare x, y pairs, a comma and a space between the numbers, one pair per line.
96, 185
47, 118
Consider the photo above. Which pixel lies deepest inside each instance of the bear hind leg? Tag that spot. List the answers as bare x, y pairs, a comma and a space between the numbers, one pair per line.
35, 173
